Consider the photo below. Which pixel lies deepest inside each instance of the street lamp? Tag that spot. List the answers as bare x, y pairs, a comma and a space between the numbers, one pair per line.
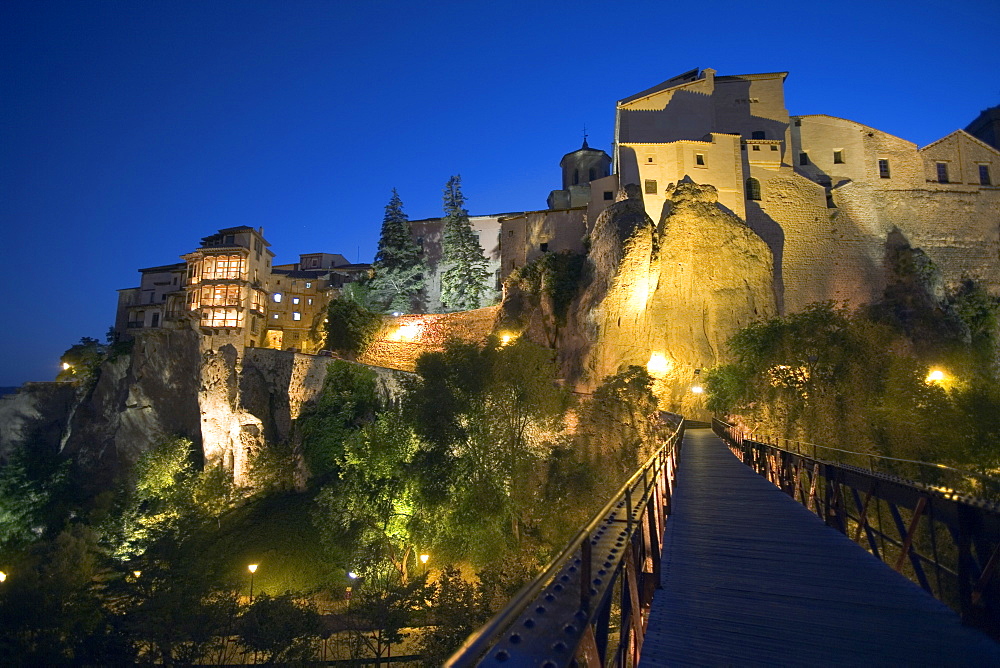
253, 569
3, 576
423, 560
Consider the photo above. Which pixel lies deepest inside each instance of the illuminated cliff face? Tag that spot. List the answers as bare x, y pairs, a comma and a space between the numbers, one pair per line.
668, 296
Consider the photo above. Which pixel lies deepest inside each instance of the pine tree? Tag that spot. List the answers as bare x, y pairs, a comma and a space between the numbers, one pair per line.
464, 279
399, 267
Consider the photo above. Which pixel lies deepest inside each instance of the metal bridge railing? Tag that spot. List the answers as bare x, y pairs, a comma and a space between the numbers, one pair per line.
946, 542
589, 605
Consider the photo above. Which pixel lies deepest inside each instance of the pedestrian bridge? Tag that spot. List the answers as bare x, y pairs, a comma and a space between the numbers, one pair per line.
726, 551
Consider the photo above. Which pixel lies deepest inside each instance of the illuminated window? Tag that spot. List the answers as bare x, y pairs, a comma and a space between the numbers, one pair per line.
274, 316
277, 297
942, 172
650, 186
699, 159
309, 301
984, 175
295, 300
838, 157
753, 189
309, 285
883, 169
296, 315
220, 317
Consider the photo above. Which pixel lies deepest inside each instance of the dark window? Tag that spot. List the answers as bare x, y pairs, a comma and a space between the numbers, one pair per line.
756, 148
229, 240
798, 123
609, 195
650, 186
984, 175
883, 168
838, 157
743, 147
803, 158
576, 176
773, 147
544, 247
757, 134
942, 172
156, 320
593, 173
510, 233
699, 159
649, 159
753, 189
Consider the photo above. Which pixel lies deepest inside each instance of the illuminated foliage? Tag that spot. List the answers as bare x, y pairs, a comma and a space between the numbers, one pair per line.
398, 268
351, 327
465, 276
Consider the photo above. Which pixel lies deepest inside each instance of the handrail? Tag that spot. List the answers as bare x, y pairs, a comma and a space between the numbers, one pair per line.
887, 458
946, 543
566, 609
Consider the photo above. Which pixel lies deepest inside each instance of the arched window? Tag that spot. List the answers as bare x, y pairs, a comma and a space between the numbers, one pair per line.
757, 134
753, 189
576, 177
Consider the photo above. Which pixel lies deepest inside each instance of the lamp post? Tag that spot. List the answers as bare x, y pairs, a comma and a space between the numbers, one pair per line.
423, 560
253, 569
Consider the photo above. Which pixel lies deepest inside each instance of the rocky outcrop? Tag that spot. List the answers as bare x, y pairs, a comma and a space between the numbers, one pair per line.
36, 414
138, 400
668, 295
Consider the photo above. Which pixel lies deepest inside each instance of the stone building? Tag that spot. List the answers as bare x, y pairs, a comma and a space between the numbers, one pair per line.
229, 291
824, 193
301, 293
157, 302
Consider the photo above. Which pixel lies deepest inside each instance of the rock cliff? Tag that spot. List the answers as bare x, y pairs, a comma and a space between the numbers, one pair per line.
667, 295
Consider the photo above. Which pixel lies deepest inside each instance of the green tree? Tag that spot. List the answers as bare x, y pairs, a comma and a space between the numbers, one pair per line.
351, 327
399, 268
349, 401
465, 276
487, 417
81, 361
279, 629
36, 495
382, 605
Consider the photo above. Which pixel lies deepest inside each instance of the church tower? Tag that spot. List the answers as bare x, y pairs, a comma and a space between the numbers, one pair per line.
579, 168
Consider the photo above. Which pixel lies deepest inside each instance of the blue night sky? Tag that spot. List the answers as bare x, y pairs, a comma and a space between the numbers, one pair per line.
129, 130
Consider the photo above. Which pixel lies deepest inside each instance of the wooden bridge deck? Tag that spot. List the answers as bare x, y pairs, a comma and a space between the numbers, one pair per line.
750, 577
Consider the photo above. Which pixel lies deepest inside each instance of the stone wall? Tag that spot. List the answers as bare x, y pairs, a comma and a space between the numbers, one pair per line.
408, 337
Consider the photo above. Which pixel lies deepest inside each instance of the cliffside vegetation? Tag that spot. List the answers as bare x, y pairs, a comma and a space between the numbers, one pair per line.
862, 380
485, 464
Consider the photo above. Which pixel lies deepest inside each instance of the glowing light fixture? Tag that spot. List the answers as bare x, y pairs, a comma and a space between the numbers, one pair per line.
3, 576
658, 365
697, 389
408, 332
352, 575
252, 568
935, 376
424, 558
506, 338
66, 366
136, 574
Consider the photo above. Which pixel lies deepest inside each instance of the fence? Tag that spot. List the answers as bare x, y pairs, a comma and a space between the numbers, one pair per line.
588, 604
946, 541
